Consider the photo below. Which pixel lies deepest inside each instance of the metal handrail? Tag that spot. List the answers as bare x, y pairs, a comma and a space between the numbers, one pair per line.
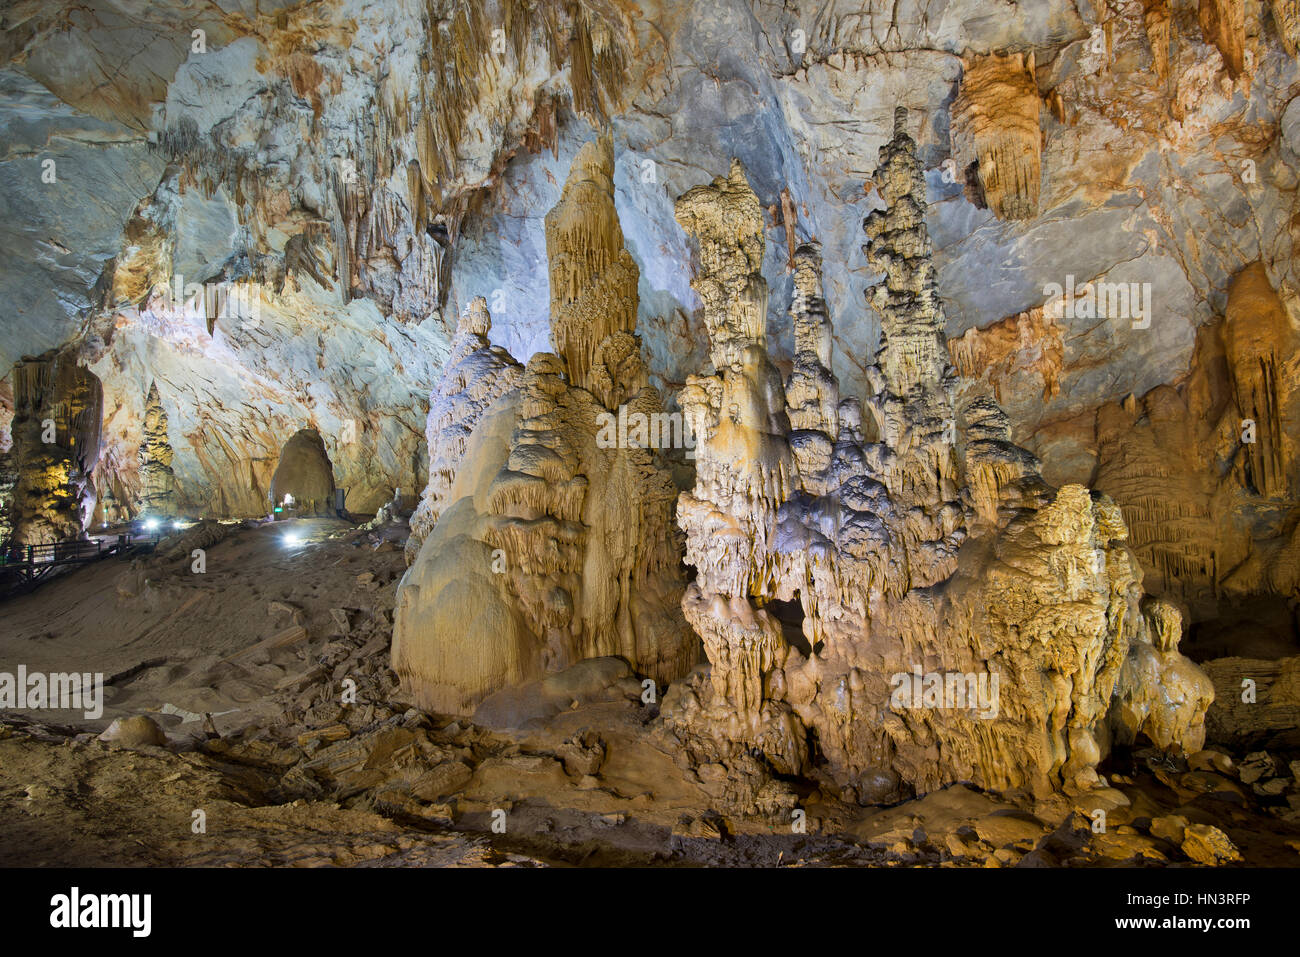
69, 552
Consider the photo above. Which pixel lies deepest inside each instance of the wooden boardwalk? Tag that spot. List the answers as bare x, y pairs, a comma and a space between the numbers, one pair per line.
23, 567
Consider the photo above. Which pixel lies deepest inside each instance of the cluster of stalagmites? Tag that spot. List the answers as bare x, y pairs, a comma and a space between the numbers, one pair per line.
542, 545
58, 407
888, 594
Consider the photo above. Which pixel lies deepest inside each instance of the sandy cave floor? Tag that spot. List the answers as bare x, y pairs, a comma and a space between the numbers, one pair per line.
287, 775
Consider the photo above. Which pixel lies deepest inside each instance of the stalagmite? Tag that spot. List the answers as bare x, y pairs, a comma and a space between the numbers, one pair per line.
477, 373
726, 220
745, 469
554, 541
812, 391
158, 495
56, 433
593, 278
995, 122
1161, 694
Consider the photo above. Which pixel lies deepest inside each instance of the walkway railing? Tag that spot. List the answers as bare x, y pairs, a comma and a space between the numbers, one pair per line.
31, 563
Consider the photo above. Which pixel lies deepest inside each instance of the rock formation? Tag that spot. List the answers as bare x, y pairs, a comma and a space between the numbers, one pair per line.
58, 407
995, 125
8, 480
1204, 470
1156, 20
1029, 340
551, 544
745, 469
1269, 715
960, 619
304, 480
1223, 24
477, 373
1286, 18
1258, 341
1161, 694
158, 496
593, 278
968, 537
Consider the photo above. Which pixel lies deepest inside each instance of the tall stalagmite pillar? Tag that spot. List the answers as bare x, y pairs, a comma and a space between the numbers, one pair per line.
547, 533
744, 470
913, 352
593, 277
158, 495
58, 406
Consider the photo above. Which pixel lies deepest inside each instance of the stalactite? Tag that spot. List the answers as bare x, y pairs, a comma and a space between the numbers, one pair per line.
1258, 340
1286, 18
1223, 25
1156, 20
995, 122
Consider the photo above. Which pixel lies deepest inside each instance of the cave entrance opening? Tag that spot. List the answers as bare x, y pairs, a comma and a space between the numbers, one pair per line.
303, 483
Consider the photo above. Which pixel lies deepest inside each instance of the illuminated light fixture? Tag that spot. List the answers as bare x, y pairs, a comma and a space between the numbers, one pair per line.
278, 509
178, 524
293, 539
151, 524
